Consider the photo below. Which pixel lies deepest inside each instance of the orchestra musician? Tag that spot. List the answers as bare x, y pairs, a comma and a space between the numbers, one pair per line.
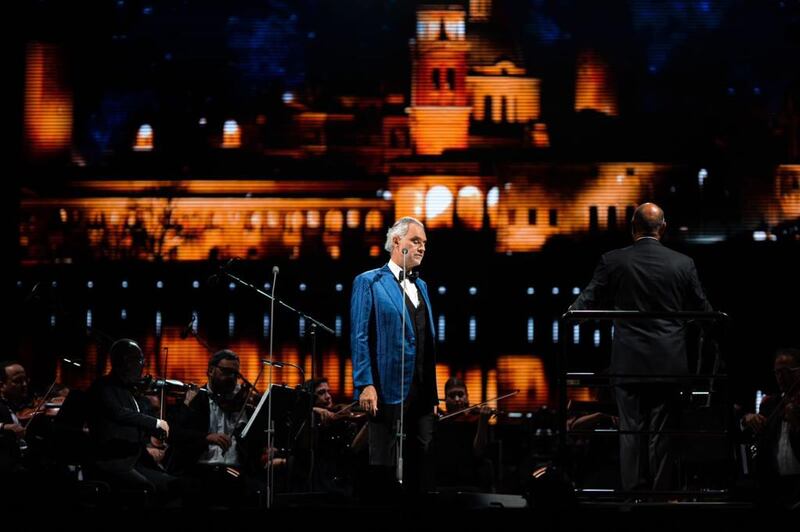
462, 441
777, 430
13, 396
204, 447
121, 425
336, 429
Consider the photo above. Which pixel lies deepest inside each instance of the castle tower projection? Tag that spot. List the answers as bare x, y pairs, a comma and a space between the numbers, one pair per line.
48, 102
480, 10
594, 85
439, 113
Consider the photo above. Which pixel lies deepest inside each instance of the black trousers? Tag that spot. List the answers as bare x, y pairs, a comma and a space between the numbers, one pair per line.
419, 425
647, 460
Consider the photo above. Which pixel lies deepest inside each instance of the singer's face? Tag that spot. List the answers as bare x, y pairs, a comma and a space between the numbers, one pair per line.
415, 242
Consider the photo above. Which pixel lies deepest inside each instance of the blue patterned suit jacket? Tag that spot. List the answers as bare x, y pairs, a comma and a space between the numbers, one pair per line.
375, 331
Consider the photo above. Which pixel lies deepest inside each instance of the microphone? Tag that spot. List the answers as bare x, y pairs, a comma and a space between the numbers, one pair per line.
275, 270
279, 364
33, 295
188, 329
405, 251
228, 263
215, 279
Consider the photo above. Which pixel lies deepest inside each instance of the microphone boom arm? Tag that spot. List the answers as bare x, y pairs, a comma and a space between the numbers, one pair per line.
244, 283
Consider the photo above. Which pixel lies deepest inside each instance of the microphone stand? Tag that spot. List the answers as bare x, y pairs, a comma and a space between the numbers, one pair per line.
401, 421
270, 423
311, 428
189, 330
270, 362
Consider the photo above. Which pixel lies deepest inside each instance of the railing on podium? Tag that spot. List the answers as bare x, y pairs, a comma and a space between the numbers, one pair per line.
567, 379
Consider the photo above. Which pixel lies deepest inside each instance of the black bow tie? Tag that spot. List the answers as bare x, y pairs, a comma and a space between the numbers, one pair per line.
412, 276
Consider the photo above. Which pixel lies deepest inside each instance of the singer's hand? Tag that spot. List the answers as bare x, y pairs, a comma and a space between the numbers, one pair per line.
368, 400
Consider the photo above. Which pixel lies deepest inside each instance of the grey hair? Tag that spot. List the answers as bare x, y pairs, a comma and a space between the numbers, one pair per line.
399, 229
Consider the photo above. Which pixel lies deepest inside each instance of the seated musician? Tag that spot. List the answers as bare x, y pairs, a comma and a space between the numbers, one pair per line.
462, 443
121, 427
777, 432
203, 446
323, 401
13, 396
335, 429
325, 412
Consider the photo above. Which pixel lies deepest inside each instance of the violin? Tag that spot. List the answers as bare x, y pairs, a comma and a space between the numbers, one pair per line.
230, 403
245, 398
42, 407
149, 385
348, 412
475, 410
339, 428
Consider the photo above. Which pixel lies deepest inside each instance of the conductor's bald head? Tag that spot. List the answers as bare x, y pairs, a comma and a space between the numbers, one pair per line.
648, 220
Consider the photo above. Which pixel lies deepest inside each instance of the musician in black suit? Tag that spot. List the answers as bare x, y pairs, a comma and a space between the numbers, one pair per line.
646, 276
120, 426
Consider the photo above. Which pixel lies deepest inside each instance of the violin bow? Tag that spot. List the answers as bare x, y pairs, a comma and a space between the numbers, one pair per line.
42, 401
473, 407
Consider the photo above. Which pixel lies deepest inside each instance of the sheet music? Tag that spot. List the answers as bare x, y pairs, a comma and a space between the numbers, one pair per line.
253, 417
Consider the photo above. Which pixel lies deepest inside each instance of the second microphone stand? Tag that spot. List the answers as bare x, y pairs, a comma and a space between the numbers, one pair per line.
271, 363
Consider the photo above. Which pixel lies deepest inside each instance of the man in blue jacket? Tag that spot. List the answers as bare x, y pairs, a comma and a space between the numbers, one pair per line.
392, 366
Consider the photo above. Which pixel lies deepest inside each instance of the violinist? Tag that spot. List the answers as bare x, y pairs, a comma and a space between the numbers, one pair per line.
462, 442
203, 445
326, 413
120, 426
323, 401
777, 429
13, 395
336, 428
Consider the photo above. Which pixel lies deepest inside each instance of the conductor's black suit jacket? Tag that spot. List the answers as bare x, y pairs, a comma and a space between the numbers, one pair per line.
646, 276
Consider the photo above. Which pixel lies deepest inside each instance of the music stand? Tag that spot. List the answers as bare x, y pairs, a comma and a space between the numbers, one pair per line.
290, 411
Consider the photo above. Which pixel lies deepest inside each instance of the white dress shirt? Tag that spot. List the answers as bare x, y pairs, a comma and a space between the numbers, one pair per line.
409, 287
